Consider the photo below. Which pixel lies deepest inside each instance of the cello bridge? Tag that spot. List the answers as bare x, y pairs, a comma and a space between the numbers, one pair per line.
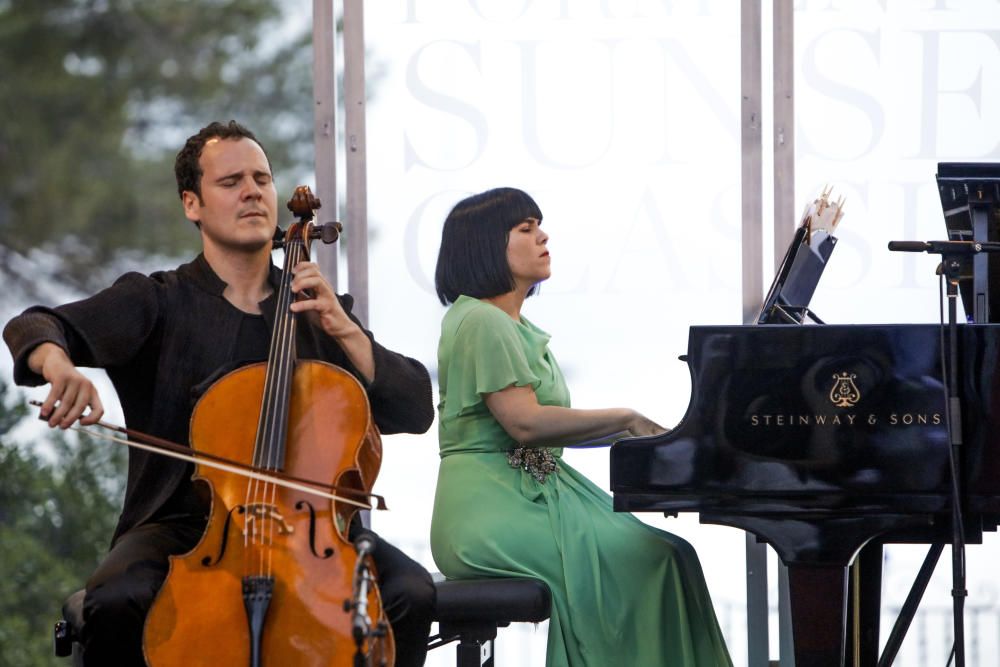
264, 514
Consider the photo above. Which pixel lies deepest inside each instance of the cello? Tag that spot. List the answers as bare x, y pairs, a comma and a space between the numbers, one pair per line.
274, 580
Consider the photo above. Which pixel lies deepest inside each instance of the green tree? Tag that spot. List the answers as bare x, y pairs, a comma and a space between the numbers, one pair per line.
57, 514
95, 99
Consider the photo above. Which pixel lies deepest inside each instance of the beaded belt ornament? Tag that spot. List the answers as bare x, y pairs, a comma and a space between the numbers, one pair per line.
538, 461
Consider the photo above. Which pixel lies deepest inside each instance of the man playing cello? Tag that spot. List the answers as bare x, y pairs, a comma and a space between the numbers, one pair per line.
163, 339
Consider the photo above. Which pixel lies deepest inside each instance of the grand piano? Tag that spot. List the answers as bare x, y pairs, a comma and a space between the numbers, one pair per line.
822, 439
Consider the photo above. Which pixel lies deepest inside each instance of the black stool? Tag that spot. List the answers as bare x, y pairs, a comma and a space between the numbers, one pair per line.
469, 611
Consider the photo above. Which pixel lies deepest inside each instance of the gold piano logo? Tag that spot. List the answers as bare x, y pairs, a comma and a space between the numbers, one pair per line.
844, 393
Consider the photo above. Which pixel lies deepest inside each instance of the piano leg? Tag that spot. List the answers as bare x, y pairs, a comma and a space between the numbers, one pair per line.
817, 595
864, 600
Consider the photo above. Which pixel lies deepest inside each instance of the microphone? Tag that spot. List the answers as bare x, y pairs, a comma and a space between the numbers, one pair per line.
364, 544
944, 247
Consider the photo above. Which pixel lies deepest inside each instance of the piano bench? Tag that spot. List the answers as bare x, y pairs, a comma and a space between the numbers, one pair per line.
65, 637
469, 611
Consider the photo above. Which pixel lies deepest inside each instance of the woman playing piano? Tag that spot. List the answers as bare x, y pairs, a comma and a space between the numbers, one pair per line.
623, 593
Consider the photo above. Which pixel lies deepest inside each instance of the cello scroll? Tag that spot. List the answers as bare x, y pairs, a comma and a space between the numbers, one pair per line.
303, 205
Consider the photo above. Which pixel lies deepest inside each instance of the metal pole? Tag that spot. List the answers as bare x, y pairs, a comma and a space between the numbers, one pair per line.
356, 223
751, 158
784, 128
783, 57
752, 270
356, 214
325, 124
786, 641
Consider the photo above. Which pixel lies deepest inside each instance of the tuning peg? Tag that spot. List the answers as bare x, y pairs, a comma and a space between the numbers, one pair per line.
328, 232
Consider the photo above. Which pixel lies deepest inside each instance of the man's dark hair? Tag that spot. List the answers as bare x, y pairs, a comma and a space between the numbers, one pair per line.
187, 169
473, 255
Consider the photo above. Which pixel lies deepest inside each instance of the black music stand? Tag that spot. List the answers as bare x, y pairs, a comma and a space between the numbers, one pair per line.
795, 282
970, 199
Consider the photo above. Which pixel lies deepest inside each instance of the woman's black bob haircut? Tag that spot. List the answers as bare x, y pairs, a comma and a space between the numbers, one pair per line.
473, 255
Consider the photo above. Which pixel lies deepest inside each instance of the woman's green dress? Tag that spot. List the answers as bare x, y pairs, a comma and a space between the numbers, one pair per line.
623, 593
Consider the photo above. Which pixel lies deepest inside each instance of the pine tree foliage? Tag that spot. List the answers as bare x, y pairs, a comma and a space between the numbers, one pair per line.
57, 514
96, 98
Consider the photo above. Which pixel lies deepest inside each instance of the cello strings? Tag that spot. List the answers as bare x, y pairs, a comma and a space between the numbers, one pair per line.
253, 489
256, 491
281, 386
251, 535
280, 395
286, 361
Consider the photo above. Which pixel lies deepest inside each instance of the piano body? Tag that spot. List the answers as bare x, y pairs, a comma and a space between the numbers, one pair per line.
819, 439
822, 439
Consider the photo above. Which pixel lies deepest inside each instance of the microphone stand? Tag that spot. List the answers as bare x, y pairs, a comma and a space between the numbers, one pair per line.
951, 264
952, 253
360, 625
357, 604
